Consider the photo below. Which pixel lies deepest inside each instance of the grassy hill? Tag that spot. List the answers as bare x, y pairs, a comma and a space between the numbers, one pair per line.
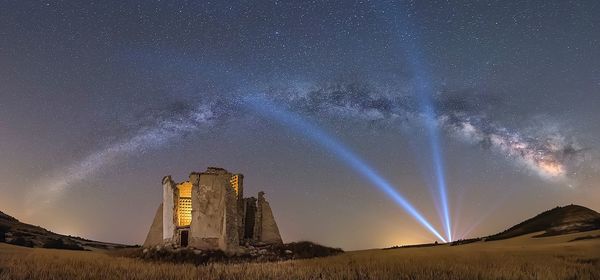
14, 232
557, 221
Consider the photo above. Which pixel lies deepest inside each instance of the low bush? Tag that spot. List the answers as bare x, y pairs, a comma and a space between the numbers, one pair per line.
306, 250
21, 241
60, 244
3, 230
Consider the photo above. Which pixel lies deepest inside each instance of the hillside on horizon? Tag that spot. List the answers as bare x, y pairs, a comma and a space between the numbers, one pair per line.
557, 221
13, 231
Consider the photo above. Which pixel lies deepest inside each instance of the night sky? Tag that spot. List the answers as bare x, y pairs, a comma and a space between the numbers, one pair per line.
496, 103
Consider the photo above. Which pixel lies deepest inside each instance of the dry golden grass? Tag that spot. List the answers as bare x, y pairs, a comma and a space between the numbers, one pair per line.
517, 258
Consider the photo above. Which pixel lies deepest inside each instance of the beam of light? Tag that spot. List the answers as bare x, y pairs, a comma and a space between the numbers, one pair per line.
441, 179
404, 30
296, 122
436, 153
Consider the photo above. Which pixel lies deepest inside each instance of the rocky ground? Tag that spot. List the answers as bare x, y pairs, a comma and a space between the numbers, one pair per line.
248, 253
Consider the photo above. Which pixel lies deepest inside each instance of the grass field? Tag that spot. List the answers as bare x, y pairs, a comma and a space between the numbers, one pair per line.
517, 258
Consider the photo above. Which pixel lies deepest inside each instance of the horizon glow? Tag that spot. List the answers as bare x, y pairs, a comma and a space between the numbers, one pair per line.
343, 153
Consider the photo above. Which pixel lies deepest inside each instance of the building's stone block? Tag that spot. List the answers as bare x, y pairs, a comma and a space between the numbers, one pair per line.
237, 182
269, 232
230, 235
155, 234
169, 202
208, 201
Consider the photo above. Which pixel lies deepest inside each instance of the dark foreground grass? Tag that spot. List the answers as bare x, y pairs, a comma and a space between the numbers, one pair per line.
519, 258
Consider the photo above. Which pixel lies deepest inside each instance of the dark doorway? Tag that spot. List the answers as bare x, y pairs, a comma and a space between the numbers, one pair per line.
184, 238
249, 220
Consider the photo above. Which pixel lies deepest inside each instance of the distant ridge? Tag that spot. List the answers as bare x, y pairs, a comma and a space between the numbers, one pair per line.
7, 218
14, 232
557, 221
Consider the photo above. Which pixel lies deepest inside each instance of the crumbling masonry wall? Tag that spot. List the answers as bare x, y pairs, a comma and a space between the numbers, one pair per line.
214, 211
265, 225
221, 218
239, 180
155, 234
169, 201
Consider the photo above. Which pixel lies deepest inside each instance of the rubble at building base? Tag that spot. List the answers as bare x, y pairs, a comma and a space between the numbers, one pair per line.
249, 253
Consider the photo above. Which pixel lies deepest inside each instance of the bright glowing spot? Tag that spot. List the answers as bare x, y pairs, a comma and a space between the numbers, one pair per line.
343, 153
552, 168
541, 159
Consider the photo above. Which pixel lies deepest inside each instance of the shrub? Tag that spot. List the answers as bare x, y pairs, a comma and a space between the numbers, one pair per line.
175, 256
3, 230
21, 241
306, 249
60, 244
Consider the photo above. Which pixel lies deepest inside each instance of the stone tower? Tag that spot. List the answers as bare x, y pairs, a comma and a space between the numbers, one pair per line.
209, 212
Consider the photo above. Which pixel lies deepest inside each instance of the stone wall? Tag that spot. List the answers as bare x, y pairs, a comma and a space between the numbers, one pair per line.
155, 234
257, 221
230, 235
169, 202
268, 230
214, 211
241, 214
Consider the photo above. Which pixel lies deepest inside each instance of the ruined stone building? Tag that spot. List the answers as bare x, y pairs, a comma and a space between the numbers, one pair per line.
210, 212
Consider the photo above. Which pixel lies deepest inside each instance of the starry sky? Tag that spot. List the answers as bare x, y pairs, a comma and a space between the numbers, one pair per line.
496, 101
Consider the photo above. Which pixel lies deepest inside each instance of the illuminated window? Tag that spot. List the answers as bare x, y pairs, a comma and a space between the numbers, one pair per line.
184, 205
184, 212
235, 183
